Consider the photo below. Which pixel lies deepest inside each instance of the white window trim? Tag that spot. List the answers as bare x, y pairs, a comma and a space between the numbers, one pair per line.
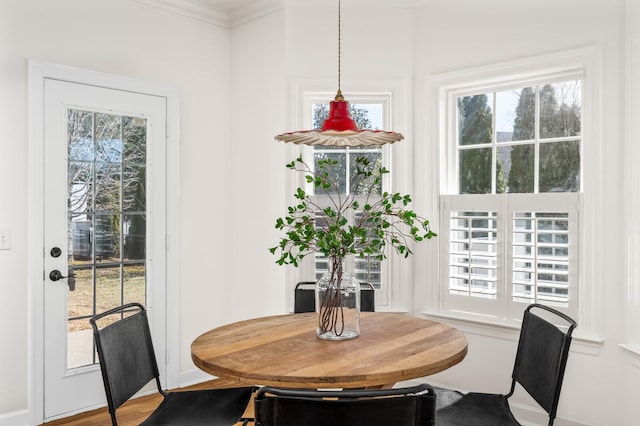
585, 61
304, 93
633, 174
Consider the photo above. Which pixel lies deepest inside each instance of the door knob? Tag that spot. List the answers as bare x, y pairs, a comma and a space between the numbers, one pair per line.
56, 275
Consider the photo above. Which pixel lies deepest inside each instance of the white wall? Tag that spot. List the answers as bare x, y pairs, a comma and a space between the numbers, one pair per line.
459, 34
235, 94
134, 40
244, 193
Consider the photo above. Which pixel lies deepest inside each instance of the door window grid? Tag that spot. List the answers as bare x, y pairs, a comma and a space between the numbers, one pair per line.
107, 226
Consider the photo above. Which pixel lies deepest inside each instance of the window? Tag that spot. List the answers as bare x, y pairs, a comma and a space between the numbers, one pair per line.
510, 197
366, 116
370, 111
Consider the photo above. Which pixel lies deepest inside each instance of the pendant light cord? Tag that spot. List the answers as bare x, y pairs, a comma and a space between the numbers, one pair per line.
339, 96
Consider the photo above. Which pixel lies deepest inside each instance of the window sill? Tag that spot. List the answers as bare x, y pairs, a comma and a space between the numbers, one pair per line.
509, 330
634, 351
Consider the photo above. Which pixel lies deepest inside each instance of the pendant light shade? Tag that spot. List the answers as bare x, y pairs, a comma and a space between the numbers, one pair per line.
339, 118
339, 129
340, 138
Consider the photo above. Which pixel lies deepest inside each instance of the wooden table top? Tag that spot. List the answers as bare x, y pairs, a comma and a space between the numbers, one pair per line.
284, 351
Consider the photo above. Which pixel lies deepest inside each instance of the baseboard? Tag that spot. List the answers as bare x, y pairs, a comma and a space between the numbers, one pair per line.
193, 377
527, 415
531, 416
15, 418
187, 378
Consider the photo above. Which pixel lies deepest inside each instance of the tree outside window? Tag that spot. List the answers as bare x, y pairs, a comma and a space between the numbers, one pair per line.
532, 144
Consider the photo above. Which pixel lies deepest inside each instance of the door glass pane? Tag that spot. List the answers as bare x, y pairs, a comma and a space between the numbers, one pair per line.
80, 338
106, 220
80, 135
134, 278
80, 175
81, 299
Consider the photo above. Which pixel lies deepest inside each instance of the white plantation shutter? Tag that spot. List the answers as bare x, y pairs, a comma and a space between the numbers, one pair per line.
473, 254
543, 251
540, 261
506, 251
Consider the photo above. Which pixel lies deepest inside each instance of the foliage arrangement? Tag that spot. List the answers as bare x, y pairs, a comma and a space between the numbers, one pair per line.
384, 219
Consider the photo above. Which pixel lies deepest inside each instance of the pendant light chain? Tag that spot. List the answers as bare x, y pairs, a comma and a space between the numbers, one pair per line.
339, 96
339, 129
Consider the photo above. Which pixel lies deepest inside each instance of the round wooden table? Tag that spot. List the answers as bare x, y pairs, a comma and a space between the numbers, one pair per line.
284, 351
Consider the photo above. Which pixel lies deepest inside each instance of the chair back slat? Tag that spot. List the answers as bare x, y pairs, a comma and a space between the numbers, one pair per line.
305, 297
542, 355
404, 407
125, 351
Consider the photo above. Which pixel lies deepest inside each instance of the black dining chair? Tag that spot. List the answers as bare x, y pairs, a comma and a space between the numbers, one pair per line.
539, 367
128, 363
412, 406
304, 299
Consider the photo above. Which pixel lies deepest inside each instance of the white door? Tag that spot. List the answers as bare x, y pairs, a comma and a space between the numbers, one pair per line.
104, 228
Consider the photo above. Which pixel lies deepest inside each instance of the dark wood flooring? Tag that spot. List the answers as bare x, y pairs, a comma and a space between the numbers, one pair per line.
133, 412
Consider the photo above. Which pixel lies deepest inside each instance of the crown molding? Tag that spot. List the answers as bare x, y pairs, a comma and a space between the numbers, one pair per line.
230, 16
193, 9
225, 17
253, 11
360, 3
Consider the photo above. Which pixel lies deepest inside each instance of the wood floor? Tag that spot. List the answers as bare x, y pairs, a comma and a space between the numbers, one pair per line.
135, 411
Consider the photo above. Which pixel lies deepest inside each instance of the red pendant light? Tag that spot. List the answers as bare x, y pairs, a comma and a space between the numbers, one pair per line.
339, 118
339, 129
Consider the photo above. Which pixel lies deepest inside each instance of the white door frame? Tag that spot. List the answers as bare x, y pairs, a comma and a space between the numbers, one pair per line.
38, 72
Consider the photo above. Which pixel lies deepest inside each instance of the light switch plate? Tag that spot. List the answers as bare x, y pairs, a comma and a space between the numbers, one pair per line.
5, 239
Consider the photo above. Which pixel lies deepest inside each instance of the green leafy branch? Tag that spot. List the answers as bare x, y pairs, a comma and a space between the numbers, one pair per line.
385, 219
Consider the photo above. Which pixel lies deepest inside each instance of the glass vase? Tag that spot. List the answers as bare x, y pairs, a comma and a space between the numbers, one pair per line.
337, 304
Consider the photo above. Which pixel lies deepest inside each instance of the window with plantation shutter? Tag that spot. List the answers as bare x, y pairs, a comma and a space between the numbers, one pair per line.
511, 196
